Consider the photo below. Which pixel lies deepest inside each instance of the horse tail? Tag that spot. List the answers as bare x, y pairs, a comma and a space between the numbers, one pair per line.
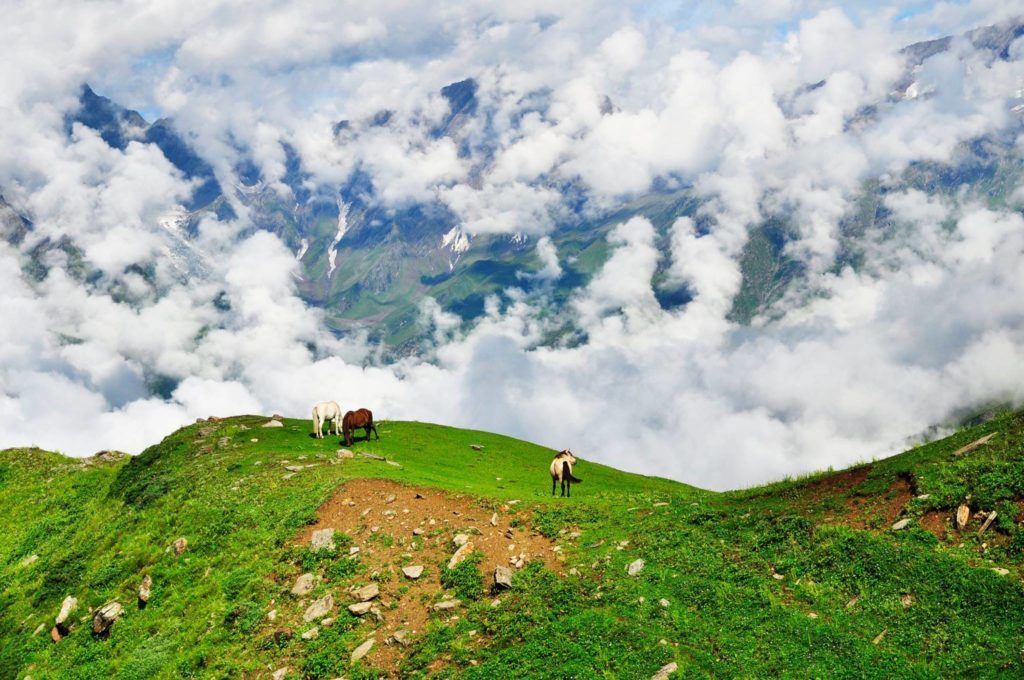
567, 473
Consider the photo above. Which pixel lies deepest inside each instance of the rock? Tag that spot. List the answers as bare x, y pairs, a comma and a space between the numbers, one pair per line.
417, 531
413, 572
502, 577
254, 440
366, 593
294, 468
400, 637
963, 514
664, 603
973, 445
272, 615
323, 539
376, 614
476, 447
778, 577
272, 423
145, 588
354, 550
280, 673
106, 616
345, 453
303, 585
362, 650
878, 638
494, 520
312, 633
393, 463
446, 605
634, 567
1001, 571
853, 601
327, 623
391, 499
812, 615
55, 634
180, 545
902, 524
371, 456
460, 554
288, 475
319, 609
665, 671
360, 608
907, 600
988, 522
659, 505
460, 540
924, 497
39, 629
28, 560
66, 607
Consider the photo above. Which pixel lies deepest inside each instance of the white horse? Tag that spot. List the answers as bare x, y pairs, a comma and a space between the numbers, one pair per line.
322, 412
561, 471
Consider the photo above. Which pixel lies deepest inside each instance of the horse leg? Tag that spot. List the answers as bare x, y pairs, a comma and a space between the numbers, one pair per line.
554, 483
568, 488
563, 488
374, 432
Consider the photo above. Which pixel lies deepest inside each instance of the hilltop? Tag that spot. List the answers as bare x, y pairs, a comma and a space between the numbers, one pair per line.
803, 577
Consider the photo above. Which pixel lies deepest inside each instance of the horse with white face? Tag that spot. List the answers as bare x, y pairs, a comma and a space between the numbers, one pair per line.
561, 471
322, 412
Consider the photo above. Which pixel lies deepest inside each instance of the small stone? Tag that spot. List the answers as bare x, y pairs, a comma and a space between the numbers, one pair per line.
345, 453
303, 585
665, 671
354, 550
663, 602
39, 629
502, 577
447, 605
963, 514
323, 539
878, 638
778, 577
180, 545
460, 540
1001, 571
288, 475
494, 520
476, 447
366, 593
106, 616
460, 554
417, 531
319, 609
413, 572
145, 589
272, 423
924, 497
362, 650
495, 603
391, 498
907, 600
312, 633
400, 636
659, 505
294, 468
280, 673
634, 567
28, 560
66, 607
272, 615
812, 615
360, 608
254, 440
902, 524
662, 641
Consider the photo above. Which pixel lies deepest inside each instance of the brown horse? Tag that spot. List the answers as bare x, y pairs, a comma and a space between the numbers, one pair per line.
354, 420
561, 471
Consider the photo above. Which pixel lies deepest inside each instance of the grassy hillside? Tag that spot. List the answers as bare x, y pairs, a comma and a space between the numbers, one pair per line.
801, 578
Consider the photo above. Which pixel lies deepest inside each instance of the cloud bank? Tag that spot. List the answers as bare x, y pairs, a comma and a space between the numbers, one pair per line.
760, 113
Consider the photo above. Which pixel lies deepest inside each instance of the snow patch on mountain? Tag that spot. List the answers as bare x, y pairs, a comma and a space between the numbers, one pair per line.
332, 250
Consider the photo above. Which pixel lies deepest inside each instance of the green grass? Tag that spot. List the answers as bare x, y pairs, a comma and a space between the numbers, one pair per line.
98, 528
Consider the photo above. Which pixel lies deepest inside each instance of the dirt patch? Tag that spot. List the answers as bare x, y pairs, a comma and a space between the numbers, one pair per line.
865, 511
937, 523
381, 515
842, 482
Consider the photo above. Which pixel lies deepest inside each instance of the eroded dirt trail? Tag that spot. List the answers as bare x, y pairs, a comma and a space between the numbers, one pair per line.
396, 525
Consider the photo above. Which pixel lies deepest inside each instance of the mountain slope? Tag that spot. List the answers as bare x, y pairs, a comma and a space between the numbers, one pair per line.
801, 578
